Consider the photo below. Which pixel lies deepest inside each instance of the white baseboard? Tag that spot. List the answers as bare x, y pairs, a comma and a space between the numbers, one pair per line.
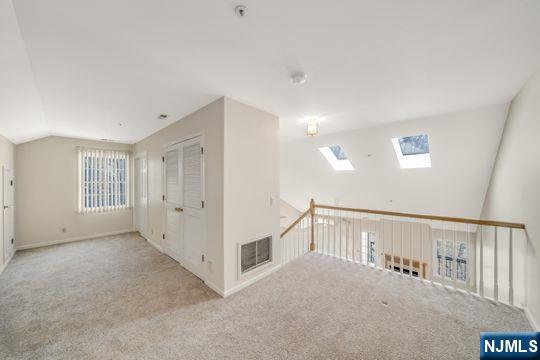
7, 262
156, 246
214, 287
529, 317
252, 280
73, 239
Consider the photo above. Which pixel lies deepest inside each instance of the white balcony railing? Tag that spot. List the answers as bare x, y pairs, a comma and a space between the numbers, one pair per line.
477, 256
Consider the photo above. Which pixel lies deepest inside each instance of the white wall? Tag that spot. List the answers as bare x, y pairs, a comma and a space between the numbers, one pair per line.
251, 185
46, 194
287, 214
208, 121
241, 176
514, 189
7, 158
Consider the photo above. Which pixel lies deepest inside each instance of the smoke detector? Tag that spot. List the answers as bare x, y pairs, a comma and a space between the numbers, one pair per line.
299, 77
240, 11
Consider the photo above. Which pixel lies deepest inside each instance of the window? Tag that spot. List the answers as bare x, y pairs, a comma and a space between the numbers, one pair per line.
255, 254
104, 180
446, 266
412, 151
335, 155
414, 145
368, 247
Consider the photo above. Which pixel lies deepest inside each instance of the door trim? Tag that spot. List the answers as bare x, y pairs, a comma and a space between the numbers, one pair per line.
7, 257
142, 155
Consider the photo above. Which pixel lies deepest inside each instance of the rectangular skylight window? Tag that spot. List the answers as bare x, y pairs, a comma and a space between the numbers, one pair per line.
336, 157
412, 151
414, 145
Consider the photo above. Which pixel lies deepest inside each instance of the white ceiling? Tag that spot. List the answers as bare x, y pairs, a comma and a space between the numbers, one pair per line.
79, 68
463, 148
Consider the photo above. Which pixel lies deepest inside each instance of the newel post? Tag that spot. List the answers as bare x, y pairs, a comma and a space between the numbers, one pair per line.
312, 212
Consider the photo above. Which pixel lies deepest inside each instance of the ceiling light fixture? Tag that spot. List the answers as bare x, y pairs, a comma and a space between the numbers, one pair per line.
162, 116
298, 77
312, 129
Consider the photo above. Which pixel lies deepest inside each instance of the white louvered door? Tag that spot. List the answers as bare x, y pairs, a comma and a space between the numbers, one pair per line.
193, 213
172, 243
184, 198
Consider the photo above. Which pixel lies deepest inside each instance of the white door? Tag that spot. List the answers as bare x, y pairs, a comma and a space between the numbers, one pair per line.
184, 209
8, 212
172, 245
192, 205
141, 196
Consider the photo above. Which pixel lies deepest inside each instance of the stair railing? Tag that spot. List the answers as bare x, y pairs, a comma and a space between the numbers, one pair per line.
482, 257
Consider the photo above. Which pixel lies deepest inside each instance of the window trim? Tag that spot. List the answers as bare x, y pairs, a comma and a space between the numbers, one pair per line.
105, 154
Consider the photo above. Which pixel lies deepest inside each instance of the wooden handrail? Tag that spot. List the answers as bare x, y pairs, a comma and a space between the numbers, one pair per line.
428, 217
308, 211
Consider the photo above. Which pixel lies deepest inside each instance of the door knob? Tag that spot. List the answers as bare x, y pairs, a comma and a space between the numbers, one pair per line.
178, 209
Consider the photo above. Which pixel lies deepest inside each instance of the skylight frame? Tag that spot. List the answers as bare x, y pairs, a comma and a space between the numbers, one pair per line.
337, 164
415, 161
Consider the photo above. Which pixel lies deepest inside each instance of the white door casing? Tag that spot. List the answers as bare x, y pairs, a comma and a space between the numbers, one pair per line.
140, 210
8, 212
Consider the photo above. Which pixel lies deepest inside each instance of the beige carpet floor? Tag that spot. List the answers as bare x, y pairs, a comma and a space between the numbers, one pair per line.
119, 298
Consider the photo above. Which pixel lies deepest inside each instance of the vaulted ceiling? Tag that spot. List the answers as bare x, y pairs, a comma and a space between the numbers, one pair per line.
463, 147
82, 68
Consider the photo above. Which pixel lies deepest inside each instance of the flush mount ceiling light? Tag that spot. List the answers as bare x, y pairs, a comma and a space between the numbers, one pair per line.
299, 77
162, 116
412, 151
312, 129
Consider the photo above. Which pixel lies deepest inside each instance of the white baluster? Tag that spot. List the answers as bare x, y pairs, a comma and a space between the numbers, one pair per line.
392, 257
454, 256
468, 259
481, 283
511, 267
347, 236
421, 273
383, 261
411, 263
401, 262
353, 237
433, 256
495, 267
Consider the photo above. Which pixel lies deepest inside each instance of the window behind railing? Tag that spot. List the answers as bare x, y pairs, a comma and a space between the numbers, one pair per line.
451, 263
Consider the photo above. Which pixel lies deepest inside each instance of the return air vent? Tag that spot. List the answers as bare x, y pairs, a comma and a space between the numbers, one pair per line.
255, 253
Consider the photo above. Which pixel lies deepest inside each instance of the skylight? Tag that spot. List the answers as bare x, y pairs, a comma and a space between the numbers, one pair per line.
412, 151
414, 145
336, 157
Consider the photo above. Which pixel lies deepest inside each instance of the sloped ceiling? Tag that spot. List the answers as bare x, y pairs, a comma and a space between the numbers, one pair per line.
463, 148
82, 68
21, 110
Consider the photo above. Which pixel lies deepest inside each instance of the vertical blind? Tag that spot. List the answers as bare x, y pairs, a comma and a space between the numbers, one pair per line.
103, 180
